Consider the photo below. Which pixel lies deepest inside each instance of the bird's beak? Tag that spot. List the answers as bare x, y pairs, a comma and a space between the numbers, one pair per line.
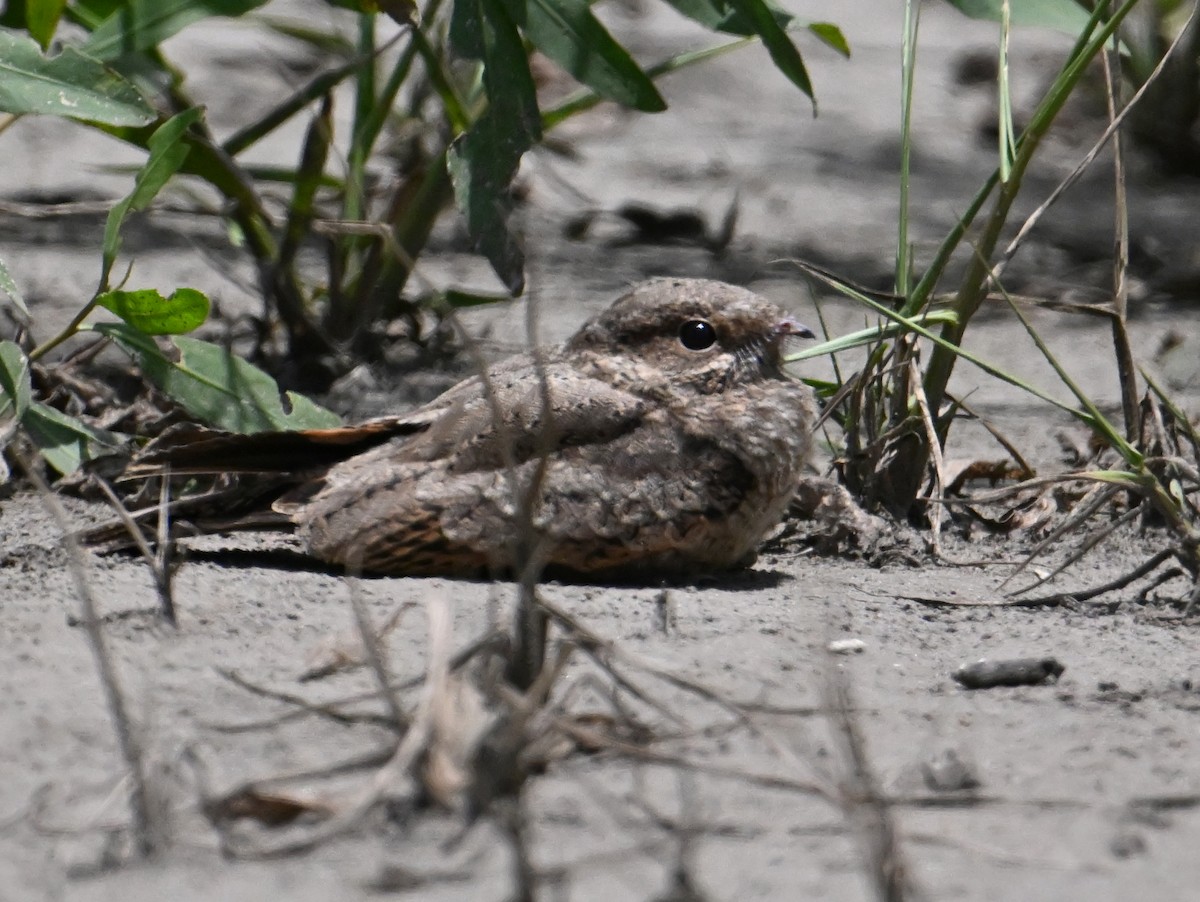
791, 327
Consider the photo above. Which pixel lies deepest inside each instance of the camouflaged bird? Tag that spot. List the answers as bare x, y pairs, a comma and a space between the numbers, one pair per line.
662, 439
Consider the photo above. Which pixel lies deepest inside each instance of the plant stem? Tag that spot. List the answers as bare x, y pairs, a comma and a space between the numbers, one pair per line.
907, 469
1126, 370
908, 61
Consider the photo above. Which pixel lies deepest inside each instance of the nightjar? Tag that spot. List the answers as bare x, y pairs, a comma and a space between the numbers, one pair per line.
662, 439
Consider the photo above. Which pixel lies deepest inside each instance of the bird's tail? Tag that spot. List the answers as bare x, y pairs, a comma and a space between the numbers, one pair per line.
252, 472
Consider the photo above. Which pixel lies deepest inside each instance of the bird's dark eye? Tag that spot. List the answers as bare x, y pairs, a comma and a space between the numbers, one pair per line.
697, 334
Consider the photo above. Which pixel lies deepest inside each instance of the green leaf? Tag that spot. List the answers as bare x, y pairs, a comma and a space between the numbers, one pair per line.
143, 24
148, 311
217, 386
167, 153
14, 380
41, 18
1061, 15
70, 85
586, 98
568, 33
725, 16
783, 52
483, 162
9, 287
62, 440
831, 36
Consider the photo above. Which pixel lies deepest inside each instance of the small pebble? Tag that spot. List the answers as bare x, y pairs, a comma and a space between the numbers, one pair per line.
1127, 843
947, 772
985, 674
846, 646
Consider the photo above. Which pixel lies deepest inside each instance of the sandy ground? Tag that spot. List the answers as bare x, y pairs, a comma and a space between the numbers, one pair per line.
1087, 788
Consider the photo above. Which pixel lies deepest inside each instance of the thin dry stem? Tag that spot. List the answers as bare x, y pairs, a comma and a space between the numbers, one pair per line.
863, 800
158, 560
939, 467
399, 768
145, 833
1126, 370
373, 654
1093, 501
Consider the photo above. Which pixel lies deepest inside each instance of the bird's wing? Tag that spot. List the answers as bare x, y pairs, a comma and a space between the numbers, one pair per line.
196, 450
512, 416
647, 498
656, 498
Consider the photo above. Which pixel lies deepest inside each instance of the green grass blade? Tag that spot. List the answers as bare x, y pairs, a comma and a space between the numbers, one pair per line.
308, 180
1099, 422
144, 24
318, 87
908, 63
914, 325
868, 336
1006, 129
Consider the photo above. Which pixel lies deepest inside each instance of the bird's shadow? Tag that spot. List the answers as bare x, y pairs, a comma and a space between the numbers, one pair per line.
295, 561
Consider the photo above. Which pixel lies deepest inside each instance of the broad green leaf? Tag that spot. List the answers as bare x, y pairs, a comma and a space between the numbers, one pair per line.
62, 440
783, 52
771, 25
1062, 15
218, 387
70, 85
9, 287
148, 311
41, 18
586, 98
167, 153
568, 33
483, 161
724, 15
14, 380
143, 24
727, 16
830, 35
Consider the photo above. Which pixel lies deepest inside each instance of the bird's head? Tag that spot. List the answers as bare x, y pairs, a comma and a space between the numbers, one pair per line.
696, 331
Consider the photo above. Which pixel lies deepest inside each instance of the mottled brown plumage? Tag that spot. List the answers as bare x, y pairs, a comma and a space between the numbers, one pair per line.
663, 438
